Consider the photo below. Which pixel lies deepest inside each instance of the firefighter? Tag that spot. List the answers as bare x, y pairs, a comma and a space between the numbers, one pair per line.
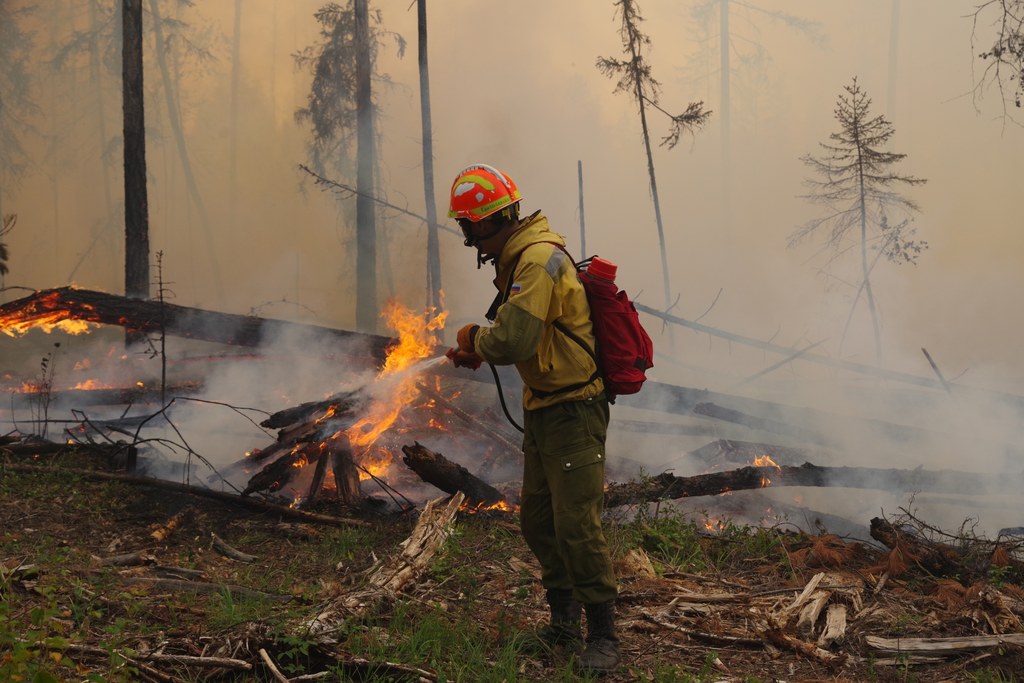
565, 409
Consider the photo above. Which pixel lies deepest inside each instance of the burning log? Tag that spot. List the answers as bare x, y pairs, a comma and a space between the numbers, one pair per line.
306, 413
668, 486
276, 474
52, 306
450, 477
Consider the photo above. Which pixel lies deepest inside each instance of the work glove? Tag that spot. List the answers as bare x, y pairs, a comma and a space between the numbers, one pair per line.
467, 338
464, 359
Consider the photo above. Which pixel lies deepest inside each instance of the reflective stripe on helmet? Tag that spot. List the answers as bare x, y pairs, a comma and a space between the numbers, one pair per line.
480, 190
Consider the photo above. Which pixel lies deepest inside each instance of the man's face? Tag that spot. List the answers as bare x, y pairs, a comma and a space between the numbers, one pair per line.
485, 235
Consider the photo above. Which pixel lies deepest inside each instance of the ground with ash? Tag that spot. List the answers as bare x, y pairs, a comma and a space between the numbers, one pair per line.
101, 567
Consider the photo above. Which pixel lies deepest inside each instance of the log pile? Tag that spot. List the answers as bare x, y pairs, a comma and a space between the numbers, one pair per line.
312, 433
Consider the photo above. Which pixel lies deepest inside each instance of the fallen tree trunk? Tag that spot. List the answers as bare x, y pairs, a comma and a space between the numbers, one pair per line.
450, 477
943, 646
668, 486
224, 496
119, 457
51, 306
108, 397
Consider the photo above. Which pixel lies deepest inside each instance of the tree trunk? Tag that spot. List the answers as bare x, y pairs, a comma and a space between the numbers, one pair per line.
654, 196
666, 486
583, 222
366, 229
136, 212
866, 269
726, 122
236, 77
433, 245
179, 139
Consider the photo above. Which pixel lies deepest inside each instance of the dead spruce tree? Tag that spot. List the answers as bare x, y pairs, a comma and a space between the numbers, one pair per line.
854, 180
634, 74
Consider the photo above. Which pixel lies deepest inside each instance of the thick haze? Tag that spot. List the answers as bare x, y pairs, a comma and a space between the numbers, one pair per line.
518, 88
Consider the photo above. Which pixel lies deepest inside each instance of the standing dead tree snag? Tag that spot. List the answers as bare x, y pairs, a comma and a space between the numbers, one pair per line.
634, 77
854, 180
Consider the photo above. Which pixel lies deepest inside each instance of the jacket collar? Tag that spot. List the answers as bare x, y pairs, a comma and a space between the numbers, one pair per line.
533, 229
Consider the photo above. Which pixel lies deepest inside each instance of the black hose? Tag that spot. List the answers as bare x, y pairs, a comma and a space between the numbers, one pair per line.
501, 397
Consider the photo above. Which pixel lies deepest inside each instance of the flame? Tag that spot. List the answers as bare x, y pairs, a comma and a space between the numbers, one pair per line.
766, 461
48, 313
715, 526
416, 342
374, 463
500, 506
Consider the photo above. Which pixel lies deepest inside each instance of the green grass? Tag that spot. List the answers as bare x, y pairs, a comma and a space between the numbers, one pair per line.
680, 544
468, 617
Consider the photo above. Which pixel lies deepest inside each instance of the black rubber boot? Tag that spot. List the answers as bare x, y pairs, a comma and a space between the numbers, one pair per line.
601, 655
563, 631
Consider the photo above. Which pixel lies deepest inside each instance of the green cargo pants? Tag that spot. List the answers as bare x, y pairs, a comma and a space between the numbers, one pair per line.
563, 497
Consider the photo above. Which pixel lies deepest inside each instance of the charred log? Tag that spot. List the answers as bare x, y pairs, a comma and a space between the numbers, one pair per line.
669, 486
346, 474
278, 473
319, 474
338, 404
450, 477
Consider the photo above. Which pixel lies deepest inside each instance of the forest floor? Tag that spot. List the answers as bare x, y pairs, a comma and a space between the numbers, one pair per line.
695, 605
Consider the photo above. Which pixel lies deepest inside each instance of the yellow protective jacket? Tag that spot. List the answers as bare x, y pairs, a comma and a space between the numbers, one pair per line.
543, 287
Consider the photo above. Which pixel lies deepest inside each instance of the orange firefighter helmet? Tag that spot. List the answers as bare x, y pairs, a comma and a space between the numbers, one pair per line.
480, 190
